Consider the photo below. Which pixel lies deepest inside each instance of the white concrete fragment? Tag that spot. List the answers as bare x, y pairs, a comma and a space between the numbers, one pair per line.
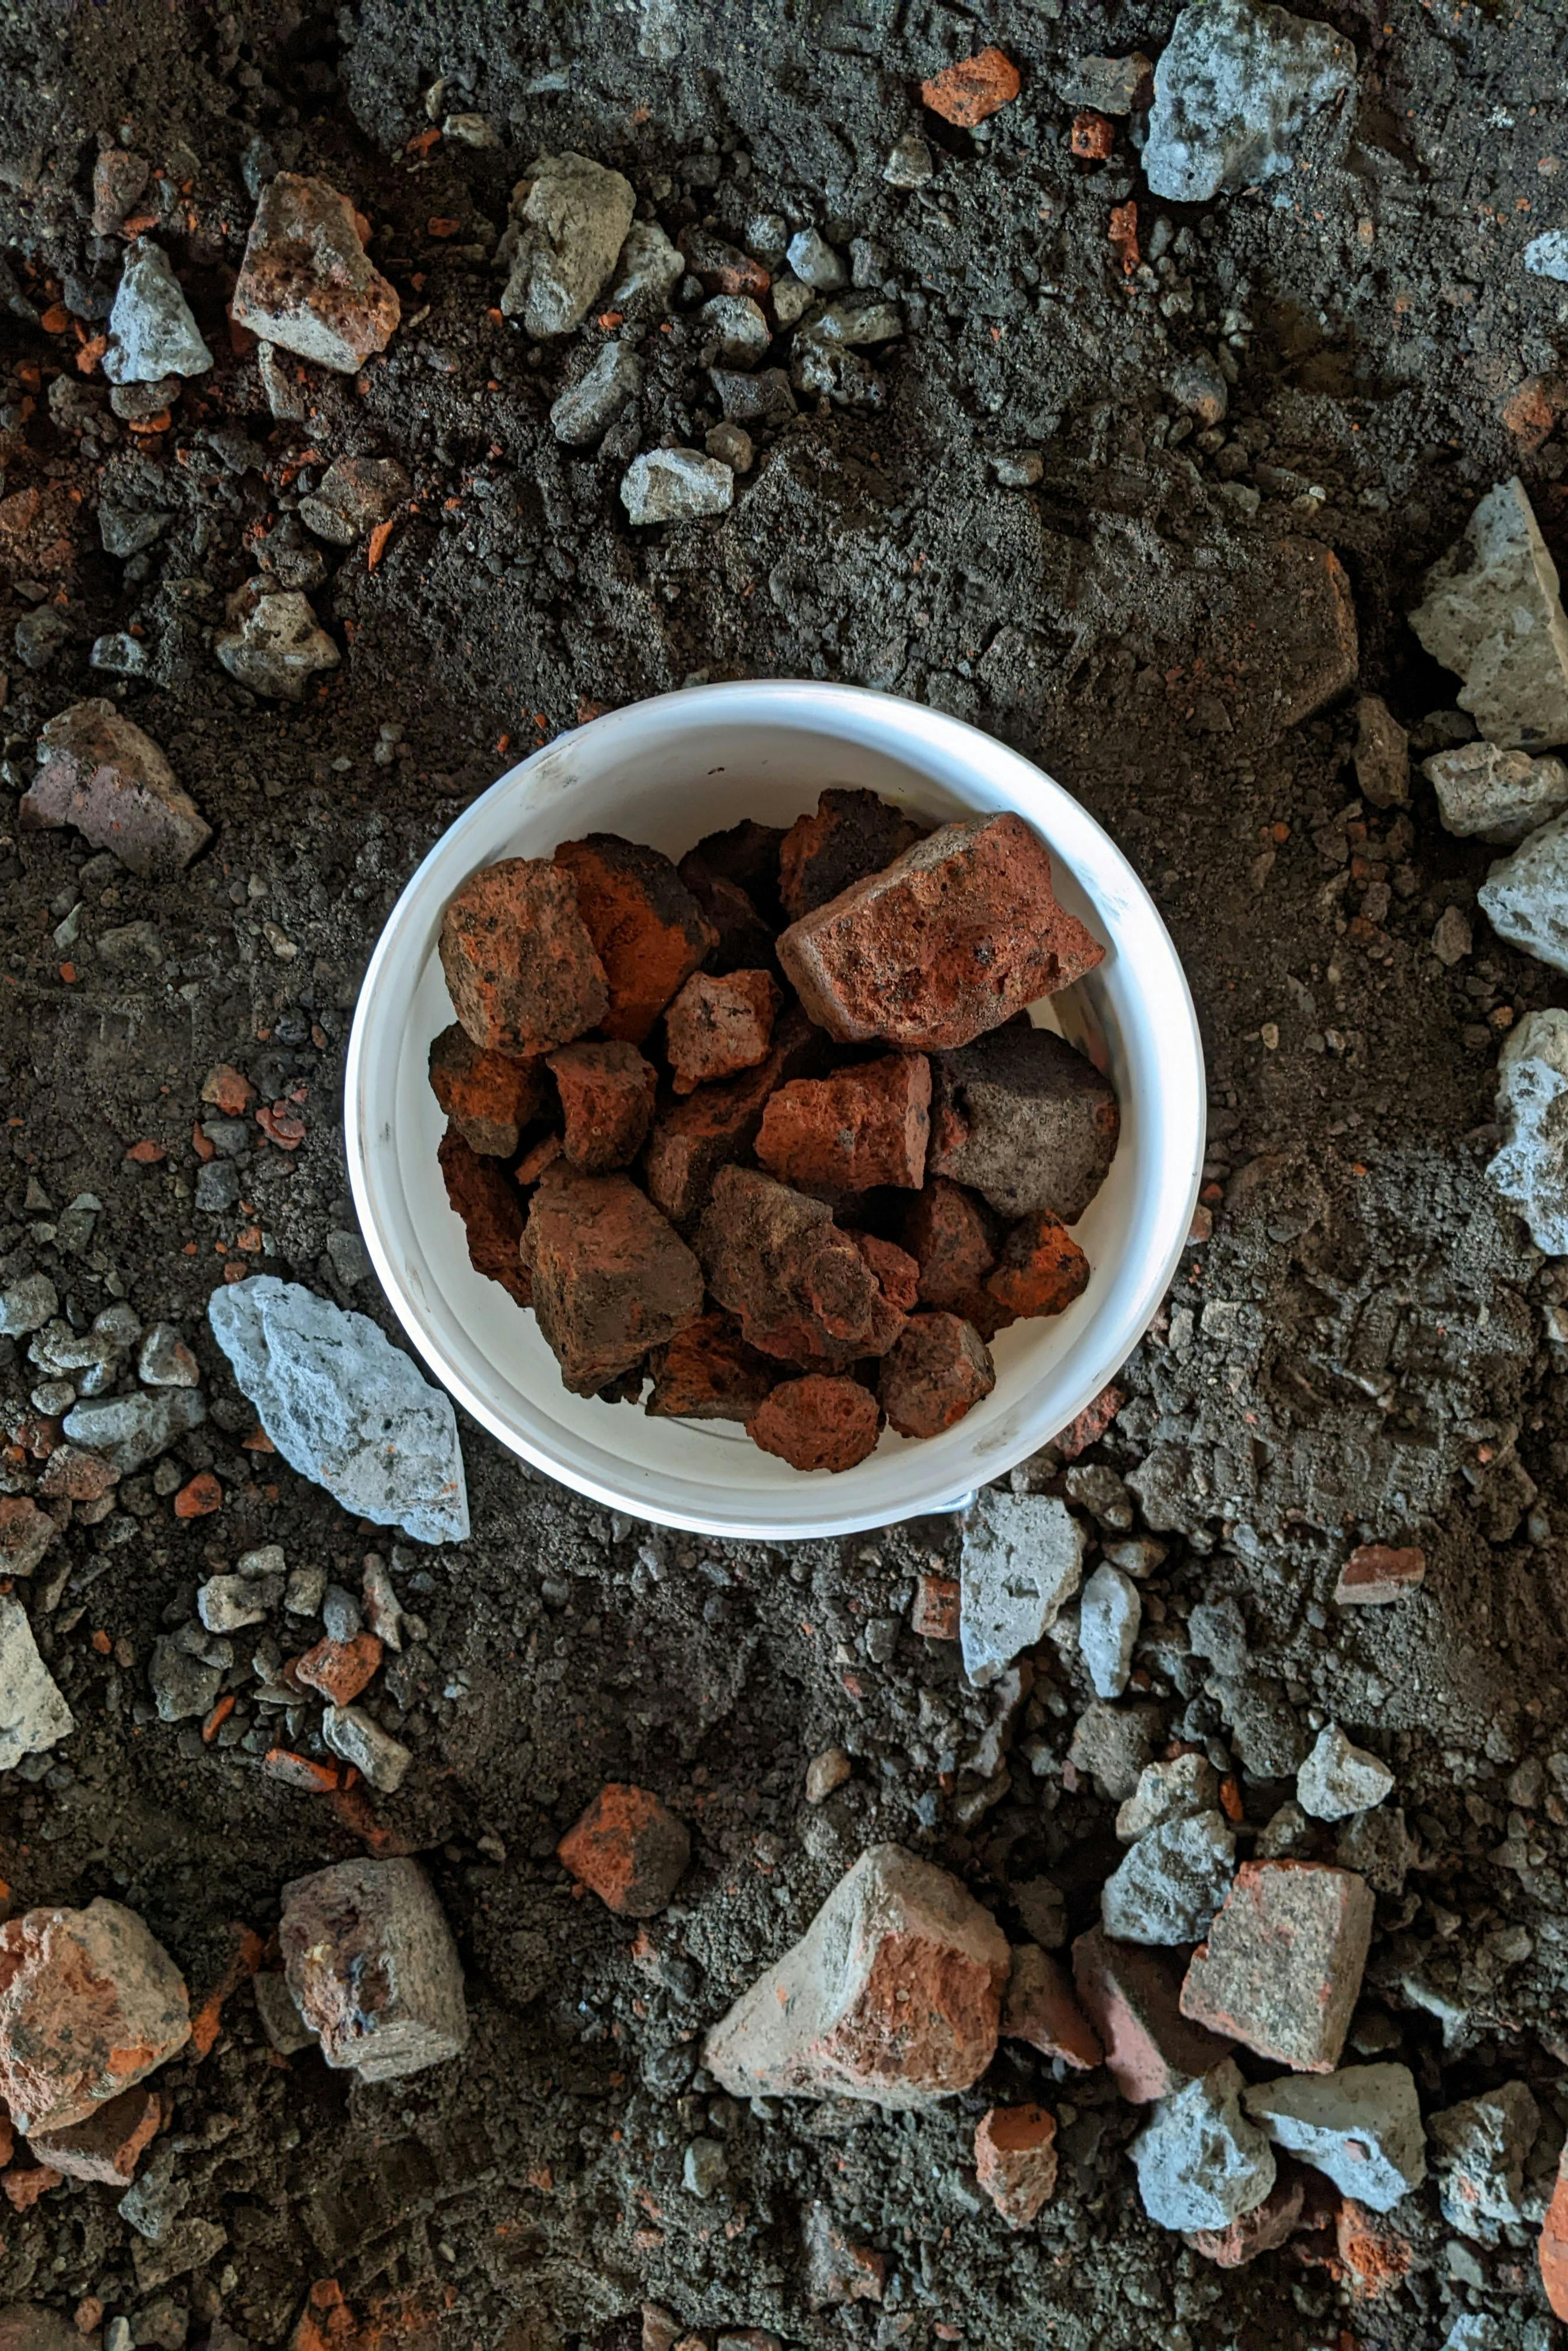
1338, 1779
151, 333
1525, 896
1109, 1616
676, 486
1235, 87
1490, 611
1200, 2163
1547, 255
1167, 1887
571, 217
33, 1714
1530, 1169
1361, 2126
226, 1603
1021, 1561
274, 644
1481, 2147
1500, 795
1168, 1792
356, 1738
587, 408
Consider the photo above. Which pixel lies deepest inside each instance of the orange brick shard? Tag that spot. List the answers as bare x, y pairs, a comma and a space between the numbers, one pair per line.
521, 968
489, 1097
1283, 1966
1040, 2008
966, 93
1015, 2160
629, 1849
1374, 1575
862, 1127
649, 932
90, 2003
340, 1670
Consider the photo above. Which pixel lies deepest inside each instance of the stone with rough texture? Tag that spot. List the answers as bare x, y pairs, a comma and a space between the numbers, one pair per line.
344, 1407
369, 1959
801, 1288
607, 1103
715, 1125
1040, 1271
107, 2144
1200, 2163
937, 1369
707, 1372
1361, 2126
32, 2326
587, 409
1551, 2252
34, 1716
1498, 795
27, 1304
489, 1097
718, 1027
1169, 1884
1283, 1966
1112, 1745
26, 1534
1382, 754
571, 216
612, 1277
965, 93
356, 1738
1021, 1561
676, 486
629, 1849
353, 495
862, 1127
1525, 896
523, 973
1109, 1615
1337, 1779
102, 774
306, 282
90, 2003
647, 928
151, 333
1547, 257
1175, 1790
274, 644
1131, 1997
849, 836
1262, 2230
1028, 1122
1015, 2160
647, 273
131, 1430
1480, 2147
1040, 2008
820, 1422
893, 1994
1235, 87
1530, 1170
1492, 611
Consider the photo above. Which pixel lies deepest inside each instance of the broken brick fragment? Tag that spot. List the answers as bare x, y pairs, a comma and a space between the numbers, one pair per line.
1260, 2230
837, 2270
612, 1277
1552, 2251
1015, 2160
950, 940
743, 936
24, 2185
607, 1099
1089, 1424
934, 1614
862, 1126
522, 971
819, 1422
1373, 1576
26, 1531
707, 1372
723, 268
853, 834
937, 1371
717, 1124
340, 1670
649, 932
800, 1286
1024, 1119
108, 2144
950, 1234
894, 1267
90, 2003
718, 1027
1041, 1268
306, 282
1040, 2008
100, 773
966, 92
629, 1849
1283, 1966
1377, 2257
1131, 1996
747, 854
369, 1959
536, 1159
199, 1496
228, 1089
488, 1097
483, 1198
1093, 135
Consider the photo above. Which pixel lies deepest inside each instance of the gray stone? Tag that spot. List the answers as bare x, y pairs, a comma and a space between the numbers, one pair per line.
217, 1186
126, 530
1286, 1835
764, 398
280, 2019
738, 325
33, 1714
1217, 1630
815, 263
853, 324
307, 283
341, 1614
1500, 795
1108, 1623
1480, 2147
705, 2168
834, 373
1168, 1885
305, 1591
1235, 87
1382, 754
1525, 896
1019, 469
353, 495
1021, 1561
1453, 937
1175, 1790
136, 403
571, 217
1197, 385
1200, 2163
151, 330
1338, 1779
357, 1738
1530, 1170
731, 444
98, 772
226, 1602
130, 1431
647, 273
587, 408
344, 1407
1110, 84
1378, 1846
286, 396
676, 486
792, 297
383, 1610
1490, 611
182, 1685
165, 1360
39, 635
1113, 1744
131, 946
120, 654
274, 644
27, 1304
1268, 1740
371, 1965
1361, 2126
1042, 1906
909, 163
1547, 255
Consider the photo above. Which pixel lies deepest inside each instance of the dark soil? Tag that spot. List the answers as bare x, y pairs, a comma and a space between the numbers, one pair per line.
1361, 1352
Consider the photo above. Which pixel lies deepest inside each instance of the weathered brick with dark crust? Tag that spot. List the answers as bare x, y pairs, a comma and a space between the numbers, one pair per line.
491, 1098
629, 1849
483, 1194
607, 1100
717, 1124
1041, 1268
709, 1372
649, 930
718, 1027
521, 969
800, 1287
938, 1369
862, 1127
612, 1277
853, 834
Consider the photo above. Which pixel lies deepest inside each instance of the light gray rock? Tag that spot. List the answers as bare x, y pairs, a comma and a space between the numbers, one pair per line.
1490, 611
27, 1305
1200, 2162
33, 1714
1525, 896
356, 1738
1530, 1170
853, 324
353, 495
909, 163
587, 408
119, 654
676, 486
39, 635
373, 1967
1539, 1037
344, 1407
1110, 84
1108, 1624
98, 772
1338, 1779
1547, 255
1361, 2126
1480, 2151
151, 330
1286, 1835
1500, 795
226, 1602
126, 530
1167, 1887
165, 1360
647, 273
792, 297
815, 263
738, 325
1175, 1790
571, 217
1021, 1561
1113, 1744
1235, 87
274, 644
130, 1431
732, 445
182, 1683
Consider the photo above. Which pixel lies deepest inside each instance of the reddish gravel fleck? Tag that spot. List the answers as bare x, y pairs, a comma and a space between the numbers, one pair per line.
340, 1670
1041, 1270
966, 92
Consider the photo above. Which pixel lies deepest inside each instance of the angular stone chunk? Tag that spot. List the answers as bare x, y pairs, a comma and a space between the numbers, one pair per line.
34, 1715
353, 495
26, 1534
571, 217
108, 2144
1283, 1966
1020, 1563
90, 2003
483, 1197
817, 1423
1339, 1779
800, 1286
1262, 2230
369, 1959
1361, 2126
717, 1124
893, 1994
522, 971
853, 834
489, 1097
151, 333
1026, 1121
1200, 2163
1530, 1170
1482, 2146
1015, 2160
102, 774
676, 486
607, 1097
1040, 2008
1525, 896
611, 1278
707, 1372
1168, 1885
1235, 87
718, 1027
953, 938
1491, 610
649, 931
937, 1369
1131, 1998
861, 1127
307, 281
587, 408
1382, 754
1500, 795
629, 1849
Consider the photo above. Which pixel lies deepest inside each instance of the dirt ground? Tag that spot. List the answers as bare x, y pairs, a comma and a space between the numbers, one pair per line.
1362, 1350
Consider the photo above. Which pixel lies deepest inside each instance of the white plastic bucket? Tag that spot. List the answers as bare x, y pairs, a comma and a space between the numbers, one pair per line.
666, 772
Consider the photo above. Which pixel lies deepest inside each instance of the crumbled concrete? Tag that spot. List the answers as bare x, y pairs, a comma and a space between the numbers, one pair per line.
1547, 255
1480, 2151
1492, 611
1020, 1563
647, 273
1498, 795
1525, 896
1235, 87
358, 1738
587, 408
90, 2003
1112, 1745
1200, 2163
371, 1965
1530, 1169
1109, 1616
1175, 1790
1361, 2126
273, 644
129, 1431
34, 1715
1382, 754
676, 486
1338, 1779
151, 332
1168, 1885
307, 283
98, 772
571, 216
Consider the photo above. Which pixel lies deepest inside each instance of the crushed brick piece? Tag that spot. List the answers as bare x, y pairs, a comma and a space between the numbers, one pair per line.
607, 1098
629, 1849
522, 971
1374, 1576
718, 1027
1026, 1121
1260, 2230
861, 1127
1091, 1423
340, 1670
23, 2187
950, 1233
709, 1372
934, 1614
488, 1097
723, 268
966, 92
533, 1163
1040, 2008
649, 930
1283, 1966
953, 938
1015, 2160
717, 1124
612, 1277
935, 1372
299, 1771
306, 282
100, 773
369, 1959
90, 2003
894, 1267
1131, 1998
1041, 1268
483, 1197
73, 1474
199, 1496
228, 1089
1551, 2252
818, 1423
852, 835
1378, 2257
801, 1289
1093, 135
108, 2144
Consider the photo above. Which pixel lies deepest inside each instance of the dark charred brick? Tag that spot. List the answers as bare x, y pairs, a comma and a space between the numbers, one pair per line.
1041, 1268
1026, 1121
862, 1126
611, 1278
937, 1369
607, 1099
718, 1027
629, 1849
744, 934
853, 834
747, 854
485, 1198
819, 1422
488, 1097
800, 1287
523, 973
649, 930
709, 1372
693, 1139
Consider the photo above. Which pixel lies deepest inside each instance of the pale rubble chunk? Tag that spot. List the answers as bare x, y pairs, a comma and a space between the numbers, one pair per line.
27, 1304
1235, 87
307, 283
1500, 795
893, 1994
1200, 2162
676, 486
90, 2003
1361, 2127
1491, 611
1338, 1779
1167, 1887
273, 644
33, 1714
98, 772
1525, 896
1546, 255
1530, 1170
371, 1962
587, 408
571, 216
1109, 1615
1021, 1559
1481, 2148
356, 1738
1175, 1790
647, 273
129, 1431
151, 333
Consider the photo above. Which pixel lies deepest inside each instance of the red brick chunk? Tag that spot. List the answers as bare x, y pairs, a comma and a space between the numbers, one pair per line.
853, 834
1262, 2230
488, 1097
521, 968
1042, 1269
694, 1138
483, 1197
934, 1614
709, 1372
1040, 2008
1131, 1997
536, 1159
1374, 1575
950, 940
716, 1028
107, 2146
818, 1423
629, 1849
1026, 1121
800, 1286
1283, 1966
611, 1278
89, 2005
607, 1095
966, 92
340, 1670
951, 1235
860, 1127
1015, 2160
650, 931
935, 1373
894, 1267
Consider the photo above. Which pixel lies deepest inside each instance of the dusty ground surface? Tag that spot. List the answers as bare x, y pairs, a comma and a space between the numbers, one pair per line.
1379, 1366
